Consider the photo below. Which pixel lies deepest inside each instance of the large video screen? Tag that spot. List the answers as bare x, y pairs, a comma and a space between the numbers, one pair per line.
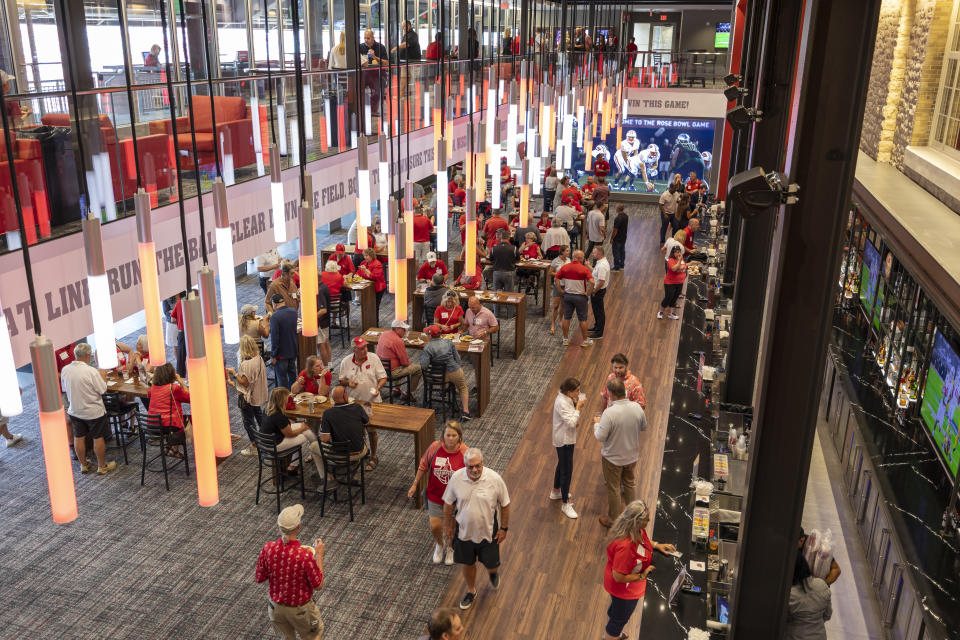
721, 40
940, 408
869, 278
650, 152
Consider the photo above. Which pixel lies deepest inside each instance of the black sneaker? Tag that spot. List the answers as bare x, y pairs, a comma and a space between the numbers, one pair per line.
465, 416
467, 600
495, 579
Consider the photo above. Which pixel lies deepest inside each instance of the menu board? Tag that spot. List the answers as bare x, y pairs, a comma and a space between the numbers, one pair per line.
940, 408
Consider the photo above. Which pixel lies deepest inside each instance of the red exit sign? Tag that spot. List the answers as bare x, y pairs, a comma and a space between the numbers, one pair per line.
663, 17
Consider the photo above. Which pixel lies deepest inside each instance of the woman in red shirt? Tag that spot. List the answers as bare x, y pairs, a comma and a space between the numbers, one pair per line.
530, 249
673, 282
441, 459
543, 225
448, 314
470, 282
332, 278
167, 394
315, 378
372, 269
629, 561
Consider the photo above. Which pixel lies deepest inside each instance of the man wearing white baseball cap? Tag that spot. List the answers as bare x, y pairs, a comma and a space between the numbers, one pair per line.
294, 573
391, 350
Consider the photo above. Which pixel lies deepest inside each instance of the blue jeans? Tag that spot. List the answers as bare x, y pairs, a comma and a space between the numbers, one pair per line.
618, 614
619, 254
564, 470
252, 418
285, 369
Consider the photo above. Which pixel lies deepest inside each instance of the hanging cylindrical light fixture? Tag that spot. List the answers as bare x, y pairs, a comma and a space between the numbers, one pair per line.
308, 109
443, 205
390, 218
225, 264
364, 215
383, 176
100, 306
470, 260
257, 139
400, 251
149, 280
204, 458
276, 196
525, 193
512, 126
480, 167
437, 119
216, 380
522, 103
53, 432
493, 163
568, 132
408, 218
448, 133
534, 165
308, 267
588, 143
491, 118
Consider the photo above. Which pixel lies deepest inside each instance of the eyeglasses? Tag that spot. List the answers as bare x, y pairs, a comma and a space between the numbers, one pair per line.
475, 466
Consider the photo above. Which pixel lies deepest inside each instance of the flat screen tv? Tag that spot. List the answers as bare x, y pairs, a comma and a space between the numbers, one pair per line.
869, 278
721, 40
940, 407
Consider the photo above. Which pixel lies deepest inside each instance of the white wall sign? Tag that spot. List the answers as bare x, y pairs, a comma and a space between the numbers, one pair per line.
677, 103
59, 269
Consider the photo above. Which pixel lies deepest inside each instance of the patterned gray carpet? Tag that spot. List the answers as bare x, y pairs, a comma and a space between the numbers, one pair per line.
141, 561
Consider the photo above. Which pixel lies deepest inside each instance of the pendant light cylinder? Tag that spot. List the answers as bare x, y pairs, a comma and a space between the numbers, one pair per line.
443, 208
470, 260
225, 264
101, 308
309, 281
204, 457
276, 197
383, 176
217, 385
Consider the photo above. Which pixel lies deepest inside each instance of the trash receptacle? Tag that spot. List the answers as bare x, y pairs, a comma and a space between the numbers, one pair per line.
59, 171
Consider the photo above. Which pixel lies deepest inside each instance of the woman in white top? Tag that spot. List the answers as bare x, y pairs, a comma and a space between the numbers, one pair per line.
338, 55
566, 415
555, 265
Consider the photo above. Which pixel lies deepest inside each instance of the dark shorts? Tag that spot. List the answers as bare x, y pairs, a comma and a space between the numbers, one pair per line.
467, 552
575, 301
95, 427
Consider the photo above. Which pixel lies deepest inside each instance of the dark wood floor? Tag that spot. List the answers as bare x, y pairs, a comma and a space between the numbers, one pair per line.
552, 571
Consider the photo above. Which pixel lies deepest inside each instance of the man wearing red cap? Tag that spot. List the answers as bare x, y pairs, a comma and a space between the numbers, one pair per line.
363, 374
346, 264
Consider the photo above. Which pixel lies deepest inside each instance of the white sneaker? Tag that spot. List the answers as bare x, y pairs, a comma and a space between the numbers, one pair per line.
587, 343
567, 509
248, 450
673, 316
14, 441
448, 557
555, 495
659, 315
437, 553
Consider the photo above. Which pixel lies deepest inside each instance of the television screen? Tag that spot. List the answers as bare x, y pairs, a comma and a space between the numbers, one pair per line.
650, 152
869, 278
940, 407
721, 39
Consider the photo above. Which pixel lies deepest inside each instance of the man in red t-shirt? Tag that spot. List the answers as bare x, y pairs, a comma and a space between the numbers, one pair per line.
340, 257
430, 267
494, 224
589, 186
693, 183
392, 352
575, 281
601, 167
422, 227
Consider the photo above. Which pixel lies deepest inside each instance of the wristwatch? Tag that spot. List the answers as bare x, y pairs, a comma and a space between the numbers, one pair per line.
503, 528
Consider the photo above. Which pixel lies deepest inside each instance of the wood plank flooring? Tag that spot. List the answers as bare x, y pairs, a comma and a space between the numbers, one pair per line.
552, 567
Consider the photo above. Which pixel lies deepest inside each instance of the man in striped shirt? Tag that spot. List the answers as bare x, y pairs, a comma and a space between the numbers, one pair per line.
575, 280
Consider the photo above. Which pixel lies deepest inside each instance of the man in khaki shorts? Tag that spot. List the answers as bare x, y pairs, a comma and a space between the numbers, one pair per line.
294, 572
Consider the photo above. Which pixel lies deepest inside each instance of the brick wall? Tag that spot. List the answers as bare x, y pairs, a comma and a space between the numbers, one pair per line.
878, 88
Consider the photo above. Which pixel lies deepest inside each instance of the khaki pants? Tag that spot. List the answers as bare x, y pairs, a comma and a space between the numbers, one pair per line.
413, 370
318, 458
621, 483
290, 621
460, 382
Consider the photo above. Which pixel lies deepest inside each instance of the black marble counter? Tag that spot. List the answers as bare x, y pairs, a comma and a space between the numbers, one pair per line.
911, 478
687, 436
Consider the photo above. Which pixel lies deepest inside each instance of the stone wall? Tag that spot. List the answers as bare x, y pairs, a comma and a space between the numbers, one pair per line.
878, 88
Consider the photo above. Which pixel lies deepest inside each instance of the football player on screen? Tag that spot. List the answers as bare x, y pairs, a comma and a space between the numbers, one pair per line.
629, 147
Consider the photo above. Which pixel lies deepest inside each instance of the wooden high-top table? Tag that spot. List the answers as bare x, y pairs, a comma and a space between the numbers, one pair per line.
543, 266
508, 298
349, 249
481, 359
415, 421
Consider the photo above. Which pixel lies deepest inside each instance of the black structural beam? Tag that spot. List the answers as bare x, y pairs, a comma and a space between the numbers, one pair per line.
771, 59
831, 92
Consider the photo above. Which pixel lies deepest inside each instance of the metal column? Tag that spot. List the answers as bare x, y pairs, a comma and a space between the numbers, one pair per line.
829, 95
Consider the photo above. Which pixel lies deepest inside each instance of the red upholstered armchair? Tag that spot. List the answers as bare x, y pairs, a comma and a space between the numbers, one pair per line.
153, 149
31, 186
233, 123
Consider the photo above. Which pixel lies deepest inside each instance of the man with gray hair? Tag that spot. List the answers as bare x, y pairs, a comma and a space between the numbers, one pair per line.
85, 386
619, 430
294, 573
478, 496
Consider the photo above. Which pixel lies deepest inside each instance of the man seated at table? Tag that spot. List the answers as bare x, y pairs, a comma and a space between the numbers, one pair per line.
364, 374
479, 321
567, 216
505, 174
589, 186
315, 378
390, 349
431, 267
554, 239
345, 262
473, 282
569, 192
343, 422
433, 296
441, 353
449, 314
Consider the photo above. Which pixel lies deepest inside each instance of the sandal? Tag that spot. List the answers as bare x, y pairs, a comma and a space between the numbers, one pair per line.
174, 453
374, 461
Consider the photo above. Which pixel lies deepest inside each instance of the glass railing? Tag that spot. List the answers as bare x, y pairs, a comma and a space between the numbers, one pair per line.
158, 146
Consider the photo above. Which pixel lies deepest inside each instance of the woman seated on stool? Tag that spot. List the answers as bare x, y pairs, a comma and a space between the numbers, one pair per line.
287, 435
167, 394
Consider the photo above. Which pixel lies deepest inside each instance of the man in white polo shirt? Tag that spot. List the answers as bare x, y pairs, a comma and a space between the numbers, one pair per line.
363, 374
575, 281
619, 431
596, 229
601, 279
478, 496
85, 387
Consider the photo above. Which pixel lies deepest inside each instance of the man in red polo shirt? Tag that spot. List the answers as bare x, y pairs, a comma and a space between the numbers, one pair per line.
422, 227
346, 264
693, 183
391, 350
570, 192
495, 224
685, 237
601, 167
294, 573
430, 267
575, 281
589, 186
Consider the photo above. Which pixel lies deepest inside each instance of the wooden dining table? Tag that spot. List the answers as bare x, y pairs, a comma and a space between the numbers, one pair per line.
349, 249
415, 421
543, 266
478, 350
507, 298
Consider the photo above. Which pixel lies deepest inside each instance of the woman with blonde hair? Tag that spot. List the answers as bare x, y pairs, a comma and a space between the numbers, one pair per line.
338, 55
438, 463
286, 434
250, 379
629, 561
257, 328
